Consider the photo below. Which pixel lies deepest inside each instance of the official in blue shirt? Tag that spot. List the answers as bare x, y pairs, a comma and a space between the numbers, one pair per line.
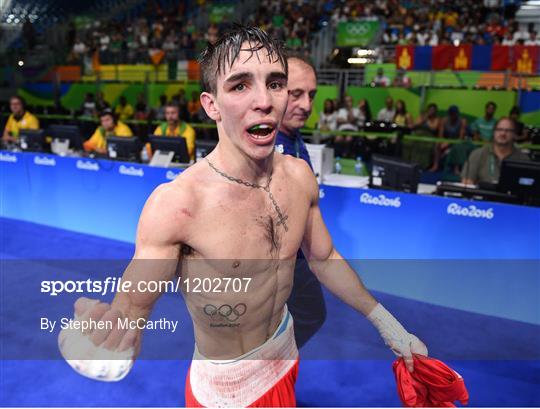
292, 145
306, 302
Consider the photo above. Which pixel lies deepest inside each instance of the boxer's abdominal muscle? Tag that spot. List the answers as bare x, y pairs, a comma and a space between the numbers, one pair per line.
229, 324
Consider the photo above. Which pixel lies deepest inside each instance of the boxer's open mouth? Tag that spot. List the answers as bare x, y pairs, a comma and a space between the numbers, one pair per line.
260, 131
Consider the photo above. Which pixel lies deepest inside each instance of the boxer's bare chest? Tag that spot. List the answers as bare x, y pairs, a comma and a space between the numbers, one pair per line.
246, 223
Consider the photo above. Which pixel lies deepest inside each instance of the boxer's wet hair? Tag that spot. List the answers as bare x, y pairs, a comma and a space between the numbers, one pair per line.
215, 59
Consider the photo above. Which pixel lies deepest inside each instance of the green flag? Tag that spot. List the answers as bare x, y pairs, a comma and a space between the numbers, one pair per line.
356, 33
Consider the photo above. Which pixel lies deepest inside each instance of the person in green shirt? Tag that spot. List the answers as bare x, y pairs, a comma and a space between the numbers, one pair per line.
294, 42
483, 127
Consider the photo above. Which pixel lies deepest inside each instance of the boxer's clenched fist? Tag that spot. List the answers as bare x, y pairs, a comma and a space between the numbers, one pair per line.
101, 349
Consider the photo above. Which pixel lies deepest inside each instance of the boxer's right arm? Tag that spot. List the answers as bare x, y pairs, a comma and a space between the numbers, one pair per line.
157, 250
107, 354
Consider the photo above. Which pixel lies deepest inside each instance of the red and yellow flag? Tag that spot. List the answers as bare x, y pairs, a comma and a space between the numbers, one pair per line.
462, 57
405, 57
525, 59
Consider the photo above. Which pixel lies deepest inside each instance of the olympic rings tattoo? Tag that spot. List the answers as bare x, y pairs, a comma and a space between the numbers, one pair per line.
231, 314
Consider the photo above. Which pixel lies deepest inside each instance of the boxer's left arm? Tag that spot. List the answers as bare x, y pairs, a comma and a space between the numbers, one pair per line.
336, 274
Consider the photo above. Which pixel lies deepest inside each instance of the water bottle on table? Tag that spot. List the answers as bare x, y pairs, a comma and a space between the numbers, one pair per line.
337, 165
359, 167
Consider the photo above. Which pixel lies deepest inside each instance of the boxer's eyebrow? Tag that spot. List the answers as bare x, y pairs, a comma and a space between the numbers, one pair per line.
277, 75
241, 76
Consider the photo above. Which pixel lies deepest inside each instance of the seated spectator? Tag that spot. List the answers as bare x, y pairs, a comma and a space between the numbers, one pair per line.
19, 119
380, 80
110, 126
182, 102
520, 33
169, 44
388, 37
508, 39
387, 113
428, 123
347, 117
346, 120
327, 121
328, 117
484, 164
141, 110
123, 110
194, 106
402, 118
364, 112
174, 126
294, 42
482, 128
451, 127
421, 152
212, 34
101, 104
79, 48
401, 80
160, 110
522, 133
88, 107
533, 39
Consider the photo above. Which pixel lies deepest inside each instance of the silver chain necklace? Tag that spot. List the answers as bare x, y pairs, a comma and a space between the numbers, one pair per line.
282, 218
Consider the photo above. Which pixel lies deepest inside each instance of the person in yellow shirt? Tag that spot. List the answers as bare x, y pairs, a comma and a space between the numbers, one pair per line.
109, 127
19, 119
174, 126
123, 110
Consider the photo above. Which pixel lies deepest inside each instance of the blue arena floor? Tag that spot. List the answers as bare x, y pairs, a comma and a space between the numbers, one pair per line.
337, 382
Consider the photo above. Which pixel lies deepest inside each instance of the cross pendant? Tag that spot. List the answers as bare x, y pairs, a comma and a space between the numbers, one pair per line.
282, 220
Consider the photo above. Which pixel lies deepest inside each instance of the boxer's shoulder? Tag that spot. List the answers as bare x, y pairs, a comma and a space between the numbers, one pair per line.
293, 167
297, 173
170, 210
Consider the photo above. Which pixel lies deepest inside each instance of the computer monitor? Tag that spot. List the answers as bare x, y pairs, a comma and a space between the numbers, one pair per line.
32, 140
462, 191
170, 144
122, 148
70, 133
394, 174
522, 179
203, 148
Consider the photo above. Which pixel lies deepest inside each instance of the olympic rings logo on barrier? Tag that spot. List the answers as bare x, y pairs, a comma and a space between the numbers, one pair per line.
231, 314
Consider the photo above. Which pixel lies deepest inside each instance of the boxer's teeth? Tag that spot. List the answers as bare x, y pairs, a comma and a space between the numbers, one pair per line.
260, 131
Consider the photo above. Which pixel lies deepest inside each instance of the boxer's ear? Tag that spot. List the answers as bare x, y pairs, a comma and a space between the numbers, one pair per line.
208, 102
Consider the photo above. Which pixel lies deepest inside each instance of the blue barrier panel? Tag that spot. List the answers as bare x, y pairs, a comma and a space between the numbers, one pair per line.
105, 198
99, 197
378, 224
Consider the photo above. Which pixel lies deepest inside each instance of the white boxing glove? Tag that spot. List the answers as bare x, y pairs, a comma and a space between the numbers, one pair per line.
91, 361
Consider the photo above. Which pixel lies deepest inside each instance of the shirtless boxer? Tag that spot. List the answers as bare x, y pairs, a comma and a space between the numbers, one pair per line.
243, 212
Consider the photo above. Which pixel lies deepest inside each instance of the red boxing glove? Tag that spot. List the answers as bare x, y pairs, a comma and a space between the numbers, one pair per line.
431, 384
